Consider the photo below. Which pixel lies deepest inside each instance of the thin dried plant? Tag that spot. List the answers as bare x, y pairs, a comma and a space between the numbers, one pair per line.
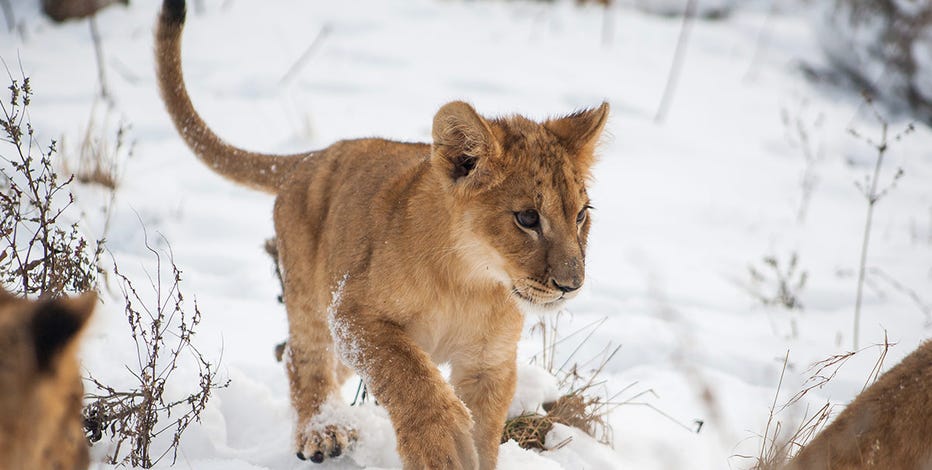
873, 192
800, 130
924, 307
136, 416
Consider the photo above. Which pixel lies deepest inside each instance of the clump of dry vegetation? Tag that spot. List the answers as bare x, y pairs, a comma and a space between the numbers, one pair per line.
574, 409
43, 253
98, 159
778, 286
135, 417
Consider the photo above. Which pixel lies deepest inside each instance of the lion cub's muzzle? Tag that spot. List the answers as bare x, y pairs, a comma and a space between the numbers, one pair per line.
566, 276
567, 286
550, 294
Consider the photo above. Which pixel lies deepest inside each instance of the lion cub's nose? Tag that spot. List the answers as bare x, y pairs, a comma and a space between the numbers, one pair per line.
571, 286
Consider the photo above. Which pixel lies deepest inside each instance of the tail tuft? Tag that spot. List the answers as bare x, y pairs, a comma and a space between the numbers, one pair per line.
173, 11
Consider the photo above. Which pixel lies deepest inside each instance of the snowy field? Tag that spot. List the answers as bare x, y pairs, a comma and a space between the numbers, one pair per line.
683, 207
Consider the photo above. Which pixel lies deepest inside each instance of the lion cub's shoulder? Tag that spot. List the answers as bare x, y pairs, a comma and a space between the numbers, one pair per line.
40, 403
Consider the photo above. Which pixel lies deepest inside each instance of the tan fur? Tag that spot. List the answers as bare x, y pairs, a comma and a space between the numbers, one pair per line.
40, 403
887, 427
396, 257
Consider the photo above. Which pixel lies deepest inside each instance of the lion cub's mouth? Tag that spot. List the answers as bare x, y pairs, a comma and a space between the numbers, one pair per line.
539, 295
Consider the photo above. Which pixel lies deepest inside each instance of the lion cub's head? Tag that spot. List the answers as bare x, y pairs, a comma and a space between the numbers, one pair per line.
519, 188
40, 386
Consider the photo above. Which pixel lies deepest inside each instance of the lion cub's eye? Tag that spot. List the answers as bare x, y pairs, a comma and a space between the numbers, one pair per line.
528, 218
581, 217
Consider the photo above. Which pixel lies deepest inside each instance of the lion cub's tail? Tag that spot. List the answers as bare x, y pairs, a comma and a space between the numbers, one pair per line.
259, 171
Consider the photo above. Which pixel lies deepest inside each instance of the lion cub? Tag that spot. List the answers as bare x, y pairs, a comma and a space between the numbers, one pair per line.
40, 403
396, 257
888, 426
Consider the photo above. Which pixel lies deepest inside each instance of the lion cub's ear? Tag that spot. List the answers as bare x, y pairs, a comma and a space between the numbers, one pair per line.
464, 145
56, 324
579, 132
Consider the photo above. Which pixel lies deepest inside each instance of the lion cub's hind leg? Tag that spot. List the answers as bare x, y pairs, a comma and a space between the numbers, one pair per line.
313, 373
329, 441
314, 379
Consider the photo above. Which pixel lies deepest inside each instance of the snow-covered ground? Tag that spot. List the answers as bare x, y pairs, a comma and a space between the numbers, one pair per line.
682, 207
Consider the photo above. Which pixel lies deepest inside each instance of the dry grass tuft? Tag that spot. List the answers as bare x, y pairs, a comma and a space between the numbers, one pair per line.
98, 159
530, 430
585, 402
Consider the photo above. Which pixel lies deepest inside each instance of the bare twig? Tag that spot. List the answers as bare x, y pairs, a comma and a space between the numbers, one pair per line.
99, 54
608, 25
921, 304
763, 40
798, 132
689, 17
770, 417
306, 56
872, 194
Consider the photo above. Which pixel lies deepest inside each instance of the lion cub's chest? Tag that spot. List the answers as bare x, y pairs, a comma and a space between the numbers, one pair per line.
467, 329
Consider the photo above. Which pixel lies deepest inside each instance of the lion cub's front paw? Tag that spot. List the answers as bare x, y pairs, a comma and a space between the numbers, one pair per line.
439, 445
329, 442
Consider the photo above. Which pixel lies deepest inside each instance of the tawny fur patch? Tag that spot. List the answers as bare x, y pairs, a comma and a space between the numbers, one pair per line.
40, 403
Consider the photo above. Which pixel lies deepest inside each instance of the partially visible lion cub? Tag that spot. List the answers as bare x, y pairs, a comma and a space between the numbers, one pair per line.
887, 427
40, 387
396, 257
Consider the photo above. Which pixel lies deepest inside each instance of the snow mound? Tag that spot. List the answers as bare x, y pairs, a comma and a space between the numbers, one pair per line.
535, 387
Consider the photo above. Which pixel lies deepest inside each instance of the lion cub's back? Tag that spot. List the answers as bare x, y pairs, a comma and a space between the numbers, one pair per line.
345, 195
